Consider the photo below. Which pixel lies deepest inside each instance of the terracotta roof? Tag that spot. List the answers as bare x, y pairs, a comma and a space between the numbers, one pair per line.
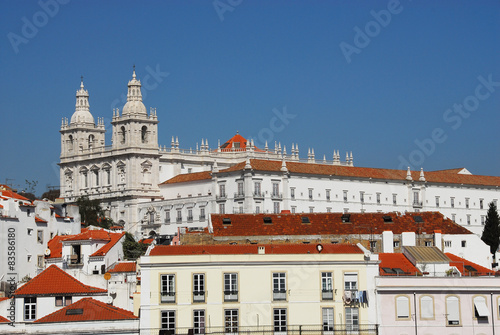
39, 220
114, 238
146, 241
88, 234
467, 267
241, 249
55, 245
4, 298
331, 224
88, 309
188, 177
1, 206
4, 320
229, 145
391, 261
124, 267
54, 281
7, 192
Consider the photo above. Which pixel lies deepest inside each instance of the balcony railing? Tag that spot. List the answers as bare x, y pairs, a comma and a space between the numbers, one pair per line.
199, 296
279, 295
221, 197
202, 217
168, 297
417, 204
230, 295
190, 219
258, 195
327, 294
276, 196
239, 195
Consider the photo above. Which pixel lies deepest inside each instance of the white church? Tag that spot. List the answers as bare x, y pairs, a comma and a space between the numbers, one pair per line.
147, 187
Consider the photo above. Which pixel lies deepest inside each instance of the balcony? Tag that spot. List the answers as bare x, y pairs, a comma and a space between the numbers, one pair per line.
199, 296
221, 197
230, 295
327, 294
168, 297
258, 195
239, 195
277, 196
279, 295
417, 204
202, 217
190, 219
178, 220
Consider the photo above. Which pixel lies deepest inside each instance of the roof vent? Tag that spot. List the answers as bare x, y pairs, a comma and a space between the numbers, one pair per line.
346, 218
74, 311
305, 219
418, 218
268, 219
226, 221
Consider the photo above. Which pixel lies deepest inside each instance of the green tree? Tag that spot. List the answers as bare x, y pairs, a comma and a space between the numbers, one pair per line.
51, 195
491, 231
91, 213
132, 249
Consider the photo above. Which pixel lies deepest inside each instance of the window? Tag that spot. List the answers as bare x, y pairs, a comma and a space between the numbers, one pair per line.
481, 310
394, 199
452, 202
276, 207
108, 176
362, 197
30, 231
222, 190
257, 189
402, 307
168, 288
294, 209
464, 244
168, 320
144, 134
190, 215
328, 195
345, 196
29, 309
453, 311
426, 307
199, 321
257, 209
167, 216
311, 194
328, 209
63, 301
483, 220
179, 215
240, 189
428, 243
276, 189
466, 202
279, 320
230, 287
437, 201
395, 244
378, 198
352, 318
311, 209
481, 204
39, 236
327, 319
222, 208
415, 198
326, 286
279, 286
454, 217
373, 245
447, 244
468, 219
292, 193
231, 321
202, 213
40, 261
350, 281
198, 287
96, 177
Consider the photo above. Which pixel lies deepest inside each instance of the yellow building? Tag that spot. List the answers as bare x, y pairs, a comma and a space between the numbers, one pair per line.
279, 288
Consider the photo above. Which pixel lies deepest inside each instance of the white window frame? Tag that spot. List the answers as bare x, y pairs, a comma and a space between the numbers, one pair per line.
199, 321
231, 286
453, 311
30, 309
328, 322
198, 287
352, 318
167, 288
231, 321
168, 320
403, 309
427, 307
280, 321
279, 285
351, 281
327, 285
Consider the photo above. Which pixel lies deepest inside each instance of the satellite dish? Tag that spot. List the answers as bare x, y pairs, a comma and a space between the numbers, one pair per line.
47, 252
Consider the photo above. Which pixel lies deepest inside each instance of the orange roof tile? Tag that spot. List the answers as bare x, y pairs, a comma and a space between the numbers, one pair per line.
465, 266
54, 281
124, 267
396, 261
237, 142
7, 192
188, 177
4, 298
39, 220
331, 224
88, 234
240, 249
146, 241
88, 309
114, 238
4, 320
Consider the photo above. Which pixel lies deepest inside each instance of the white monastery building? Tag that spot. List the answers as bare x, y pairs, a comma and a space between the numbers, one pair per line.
149, 187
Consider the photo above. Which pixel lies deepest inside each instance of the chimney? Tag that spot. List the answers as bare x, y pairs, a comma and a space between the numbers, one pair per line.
408, 239
262, 250
388, 241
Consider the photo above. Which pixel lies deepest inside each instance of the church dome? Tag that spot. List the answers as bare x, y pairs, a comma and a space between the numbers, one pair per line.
134, 105
82, 113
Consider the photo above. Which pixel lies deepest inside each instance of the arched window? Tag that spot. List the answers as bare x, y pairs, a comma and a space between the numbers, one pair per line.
426, 307
453, 310
122, 135
144, 134
70, 143
91, 141
402, 307
481, 310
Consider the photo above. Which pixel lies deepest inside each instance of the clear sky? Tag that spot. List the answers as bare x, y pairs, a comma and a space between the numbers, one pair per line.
397, 83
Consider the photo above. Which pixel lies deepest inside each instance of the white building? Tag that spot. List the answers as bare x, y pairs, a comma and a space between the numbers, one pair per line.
310, 288
239, 177
25, 229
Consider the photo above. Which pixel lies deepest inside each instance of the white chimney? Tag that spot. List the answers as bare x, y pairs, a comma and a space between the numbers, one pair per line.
388, 241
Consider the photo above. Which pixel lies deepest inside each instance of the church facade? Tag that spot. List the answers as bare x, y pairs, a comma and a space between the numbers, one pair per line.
147, 187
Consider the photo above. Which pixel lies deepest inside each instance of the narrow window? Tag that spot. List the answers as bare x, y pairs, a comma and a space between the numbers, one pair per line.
426, 307
231, 321
276, 207
199, 321
328, 195
29, 309
292, 193
452, 311
352, 318
279, 320
378, 198
168, 288
230, 287
198, 287
402, 307
202, 213
350, 281
326, 286
327, 319
168, 320
279, 286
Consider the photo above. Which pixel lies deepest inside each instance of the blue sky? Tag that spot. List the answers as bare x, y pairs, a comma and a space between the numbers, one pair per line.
396, 83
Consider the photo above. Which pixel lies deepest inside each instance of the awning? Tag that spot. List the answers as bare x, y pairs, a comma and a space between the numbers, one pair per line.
481, 308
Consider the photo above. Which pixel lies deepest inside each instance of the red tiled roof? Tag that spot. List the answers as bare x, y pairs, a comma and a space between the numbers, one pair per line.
241, 249
91, 310
1, 206
97, 234
146, 241
54, 281
7, 192
4, 298
115, 237
124, 267
331, 224
188, 177
4, 320
394, 261
229, 145
461, 264
39, 220
55, 245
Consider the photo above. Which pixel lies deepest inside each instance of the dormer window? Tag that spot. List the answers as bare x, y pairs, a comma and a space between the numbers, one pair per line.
346, 218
